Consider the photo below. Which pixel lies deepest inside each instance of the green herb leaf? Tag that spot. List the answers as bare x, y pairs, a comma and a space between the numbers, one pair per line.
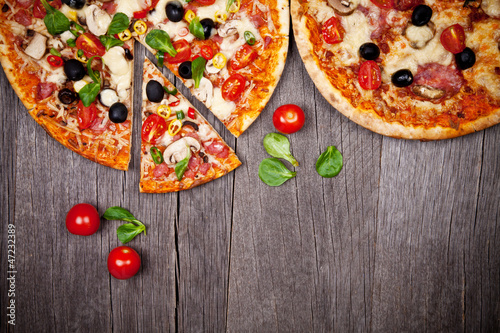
196, 28
53, 51
109, 41
160, 40
126, 232
273, 172
160, 56
119, 213
277, 145
89, 93
94, 75
119, 23
55, 21
71, 42
229, 4
77, 27
181, 166
197, 68
170, 92
329, 163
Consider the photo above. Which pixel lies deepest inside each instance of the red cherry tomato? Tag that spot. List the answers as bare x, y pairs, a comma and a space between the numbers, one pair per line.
205, 2
83, 219
123, 262
183, 52
40, 12
333, 31
453, 38
369, 76
86, 115
150, 5
55, 60
153, 128
206, 52
90, 45
387, 4
233, 87
243, 57
288, 118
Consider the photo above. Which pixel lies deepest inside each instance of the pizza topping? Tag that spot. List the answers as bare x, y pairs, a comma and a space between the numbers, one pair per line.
208, 25
403, 5
55, 21
205, 92
369, 51
125, 35
55, 61
160, 40
98, 20
140, 27
491, 8
154, 91
153, 129
74, 70
233, 87
185, 70
44, 90
427, 92
385, 4
120, 69
453, 38
369, 76
23, 17
243, 57
37, 46
465, 59
419, 36
233, 6
76, 4
228, 29
175, 11
402, 78
249, 38
90, 45
183, 52
332, 31
180, 149
86, 115
343, 7
66, 96
108, 97
118, 113
190, 123
446, 78
421, 15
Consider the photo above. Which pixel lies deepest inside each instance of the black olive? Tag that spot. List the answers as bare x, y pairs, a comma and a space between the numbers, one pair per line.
76, 4
30, 33
154, 91
175, 11
185, 70
402, 78
118, 113
128, 54
208, 25
369, 51
67, 96
5, 8
421, 15
465, 59
190, 123
74, 70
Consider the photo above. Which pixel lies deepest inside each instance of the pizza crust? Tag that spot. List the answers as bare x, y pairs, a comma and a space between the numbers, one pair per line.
371, 120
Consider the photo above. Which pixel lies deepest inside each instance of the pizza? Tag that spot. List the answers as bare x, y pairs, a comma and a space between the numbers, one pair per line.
179, 148
413, 69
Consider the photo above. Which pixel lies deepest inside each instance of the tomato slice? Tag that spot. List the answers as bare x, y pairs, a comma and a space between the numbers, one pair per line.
90, 44
386, 4
55, 61
149, 7
86, 115
453, 38
243, 57
40, 12
205, 2
233, 87
183, 52
369, 76
153, 129
207, 52
333, 31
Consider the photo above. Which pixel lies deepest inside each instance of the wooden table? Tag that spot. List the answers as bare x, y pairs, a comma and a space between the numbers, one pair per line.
405, 238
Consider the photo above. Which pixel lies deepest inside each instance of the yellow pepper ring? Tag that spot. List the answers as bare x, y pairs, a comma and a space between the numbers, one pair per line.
174, 127
164, 111
189, 16
81, 58
219, 60
220, 17
125, 35
235, 6
140, 27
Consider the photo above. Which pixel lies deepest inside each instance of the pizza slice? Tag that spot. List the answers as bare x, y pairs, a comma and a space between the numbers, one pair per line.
72, 74
179, 148
229, 53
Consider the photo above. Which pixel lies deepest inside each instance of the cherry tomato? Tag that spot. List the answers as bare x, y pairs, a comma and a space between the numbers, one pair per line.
288, 118
369, 76
83, 219
205, 2
90, 45
244, 56
40, 12
332, 31
207, 52
150, 5
55, 61
387, 4
123, 262
453, 38
233, 87
86, 115
153, 129
183, 52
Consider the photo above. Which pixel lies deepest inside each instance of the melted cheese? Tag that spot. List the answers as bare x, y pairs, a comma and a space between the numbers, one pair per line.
173, 28
128, 7
120, 69
221, 108
228, 47
159, 14
357, 32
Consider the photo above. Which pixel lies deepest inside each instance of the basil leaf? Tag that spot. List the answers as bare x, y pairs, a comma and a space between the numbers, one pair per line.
160, 40
181, 166
89, 93
55, 21
277, 145
126, 232
329, 163
160, 56
119, 23
170, 92
71, 42
109, 41
197, 68
273, 172
118, 213
94, 75
196, 28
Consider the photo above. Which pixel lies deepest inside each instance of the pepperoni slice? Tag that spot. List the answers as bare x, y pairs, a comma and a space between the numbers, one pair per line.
24, 3
446, 78
44, 90
23, 17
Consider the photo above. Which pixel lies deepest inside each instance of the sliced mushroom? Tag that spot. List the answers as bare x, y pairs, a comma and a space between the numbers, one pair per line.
98, 20
178, 150
343, 7
37, 46
419, 36
205, 92
228, 29
210, 68
491, 8
427, 92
